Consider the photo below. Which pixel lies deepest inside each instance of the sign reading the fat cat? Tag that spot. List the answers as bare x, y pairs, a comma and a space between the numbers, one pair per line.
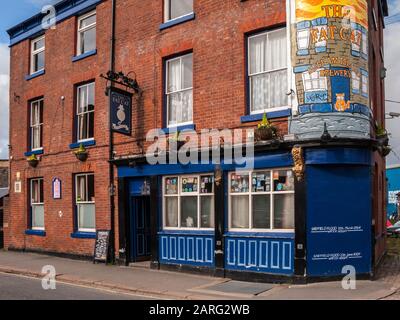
330, 56
121, 111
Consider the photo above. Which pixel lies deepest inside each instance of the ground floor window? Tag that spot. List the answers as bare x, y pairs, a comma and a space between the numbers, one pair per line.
261, 200
85, 202
37, 204
189, 201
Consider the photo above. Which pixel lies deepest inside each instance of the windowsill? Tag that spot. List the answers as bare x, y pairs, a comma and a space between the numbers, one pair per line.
39, 233
35, 75
87, 143
34, 152
84, 55
177, 21
270, 115
83, 235
179, 128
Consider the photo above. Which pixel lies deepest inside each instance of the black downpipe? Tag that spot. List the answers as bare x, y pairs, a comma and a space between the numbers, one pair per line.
111, 136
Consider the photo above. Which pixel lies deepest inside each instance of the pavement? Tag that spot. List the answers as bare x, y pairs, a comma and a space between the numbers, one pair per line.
147, 283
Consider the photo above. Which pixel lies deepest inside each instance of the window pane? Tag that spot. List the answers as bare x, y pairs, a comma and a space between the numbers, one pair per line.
207, 184
262, 212
257, 54
240, 183
38, 61
88, 40
284, 211
81, 189
189, 212
38, 216
207, 211
261, 181
278, 94
36, 137
171, 210
174, 76
83, 126
283, 180
260, 92
90, 93
171, 185
187, 106
39, 44
91, 193
240, 212
180, 8
190, 184
87, 218
35, 191
82, 99
277, 50
87, 21
187, 71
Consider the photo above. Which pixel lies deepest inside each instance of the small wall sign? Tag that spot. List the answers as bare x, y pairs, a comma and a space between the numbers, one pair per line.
17, 187
57, 189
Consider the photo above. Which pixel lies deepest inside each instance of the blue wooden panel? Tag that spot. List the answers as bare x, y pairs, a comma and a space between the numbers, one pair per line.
259, 254
196, 249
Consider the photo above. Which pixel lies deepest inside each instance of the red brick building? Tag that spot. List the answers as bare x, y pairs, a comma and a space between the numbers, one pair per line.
199, 64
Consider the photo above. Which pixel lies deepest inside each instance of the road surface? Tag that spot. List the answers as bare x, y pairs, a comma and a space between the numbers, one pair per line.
25, 288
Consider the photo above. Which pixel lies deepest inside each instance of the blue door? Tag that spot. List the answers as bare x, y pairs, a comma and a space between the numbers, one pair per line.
140, 228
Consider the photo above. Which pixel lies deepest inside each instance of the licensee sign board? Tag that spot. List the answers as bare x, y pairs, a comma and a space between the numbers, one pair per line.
102, 245
121, 111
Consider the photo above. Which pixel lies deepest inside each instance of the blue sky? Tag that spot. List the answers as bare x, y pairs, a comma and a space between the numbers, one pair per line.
16, 11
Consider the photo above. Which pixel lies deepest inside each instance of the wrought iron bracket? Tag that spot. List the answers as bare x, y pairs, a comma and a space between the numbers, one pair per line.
123, 80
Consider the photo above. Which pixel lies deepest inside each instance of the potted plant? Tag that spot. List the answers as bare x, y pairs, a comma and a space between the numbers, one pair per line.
265, 130
176, 142
81, 154
33, 160
382, 135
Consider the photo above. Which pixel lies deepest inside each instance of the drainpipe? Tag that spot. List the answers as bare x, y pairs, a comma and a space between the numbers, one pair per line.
111, 137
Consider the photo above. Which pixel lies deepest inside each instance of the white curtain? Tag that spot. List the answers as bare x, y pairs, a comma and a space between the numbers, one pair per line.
268, 54
240, 211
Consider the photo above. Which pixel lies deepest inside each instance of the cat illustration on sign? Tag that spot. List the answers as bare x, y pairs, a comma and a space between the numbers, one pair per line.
341, 104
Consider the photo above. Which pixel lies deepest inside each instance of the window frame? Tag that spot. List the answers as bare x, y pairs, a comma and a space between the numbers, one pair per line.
179, 196
167, 93
167, 12
80, 114
33, 204
81, 30
40, 102
250, 194
36, 52
308, 78
76, 177
249, 75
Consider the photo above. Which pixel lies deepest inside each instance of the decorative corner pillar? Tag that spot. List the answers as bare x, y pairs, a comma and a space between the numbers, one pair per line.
299, 164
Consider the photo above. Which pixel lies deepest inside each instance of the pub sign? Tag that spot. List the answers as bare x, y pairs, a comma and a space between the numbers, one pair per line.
121, 111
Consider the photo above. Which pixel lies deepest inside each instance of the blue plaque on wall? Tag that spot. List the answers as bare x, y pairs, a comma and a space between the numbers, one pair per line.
121, 111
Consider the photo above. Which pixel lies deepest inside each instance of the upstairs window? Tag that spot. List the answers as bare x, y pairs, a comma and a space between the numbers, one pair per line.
86, 33
37, 54
85, 202
36, 125
179, 90
37, 204
177, 8
85, 112
268, 79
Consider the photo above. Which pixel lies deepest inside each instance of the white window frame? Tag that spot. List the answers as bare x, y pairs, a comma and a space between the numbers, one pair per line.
167, 12
265, 72
33, 204
40, 103
355, 81
354, 46
364, 43
303, 35
80, 114
181, 194
36, 52
321, 43
77, 203
250, 193
168, 93
364, 84
310, 78
84, 29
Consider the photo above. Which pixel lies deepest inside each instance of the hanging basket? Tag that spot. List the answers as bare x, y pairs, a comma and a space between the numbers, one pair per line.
33, 163
82, 156
265, 134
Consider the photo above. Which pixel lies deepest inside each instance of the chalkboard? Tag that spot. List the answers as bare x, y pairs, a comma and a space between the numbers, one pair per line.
101, 248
